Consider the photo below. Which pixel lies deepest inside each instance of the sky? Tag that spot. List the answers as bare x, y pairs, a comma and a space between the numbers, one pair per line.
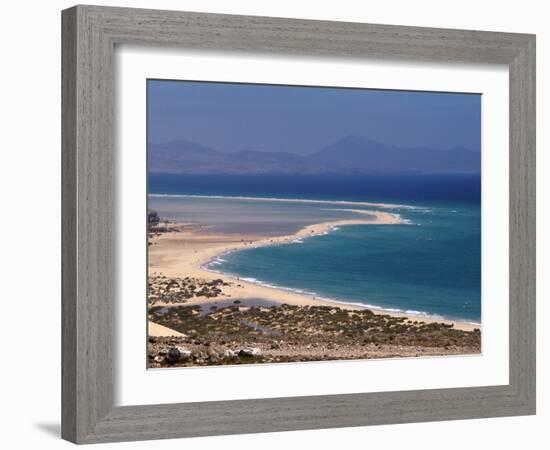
233, 117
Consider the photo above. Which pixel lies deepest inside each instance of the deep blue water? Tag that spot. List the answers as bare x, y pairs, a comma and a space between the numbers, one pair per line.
443, 188
430, 265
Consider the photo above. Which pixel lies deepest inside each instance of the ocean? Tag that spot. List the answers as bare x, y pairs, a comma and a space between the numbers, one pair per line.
430, 265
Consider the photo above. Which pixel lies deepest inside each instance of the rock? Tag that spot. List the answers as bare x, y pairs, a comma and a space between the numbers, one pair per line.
250, 352
229, 354
215, 356
176, 354
185, 353
199, 356
173, 355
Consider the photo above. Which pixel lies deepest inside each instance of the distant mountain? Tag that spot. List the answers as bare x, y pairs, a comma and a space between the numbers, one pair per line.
191, 158
349, 155
357, 153
185, 157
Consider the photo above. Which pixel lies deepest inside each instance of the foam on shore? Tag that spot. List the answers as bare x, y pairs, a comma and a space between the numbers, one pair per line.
287, 200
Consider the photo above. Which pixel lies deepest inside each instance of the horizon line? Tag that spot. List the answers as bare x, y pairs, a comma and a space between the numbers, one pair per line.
349, 136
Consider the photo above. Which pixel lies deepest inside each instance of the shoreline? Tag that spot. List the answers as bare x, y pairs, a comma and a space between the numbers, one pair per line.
289, 200
187, 251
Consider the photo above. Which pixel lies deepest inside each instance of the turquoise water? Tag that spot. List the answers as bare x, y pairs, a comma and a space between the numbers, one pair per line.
430, 265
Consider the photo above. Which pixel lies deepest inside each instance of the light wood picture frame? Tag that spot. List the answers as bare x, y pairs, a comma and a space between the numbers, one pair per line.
90, 34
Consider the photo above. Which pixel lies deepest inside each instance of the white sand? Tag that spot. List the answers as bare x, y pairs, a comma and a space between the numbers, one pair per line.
154, 329
184, 253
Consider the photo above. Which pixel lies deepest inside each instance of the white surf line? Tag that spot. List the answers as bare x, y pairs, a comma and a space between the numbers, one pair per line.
371, 213
411, 314
357, 211
299, 237
288, 200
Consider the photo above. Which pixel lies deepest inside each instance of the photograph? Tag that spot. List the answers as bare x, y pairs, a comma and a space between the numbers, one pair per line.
302, 223
261, 225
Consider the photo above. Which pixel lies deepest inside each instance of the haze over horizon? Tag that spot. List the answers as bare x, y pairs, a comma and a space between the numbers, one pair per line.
236, 117
351, 155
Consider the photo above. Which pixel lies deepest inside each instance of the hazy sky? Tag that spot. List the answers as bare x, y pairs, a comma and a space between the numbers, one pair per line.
232, 117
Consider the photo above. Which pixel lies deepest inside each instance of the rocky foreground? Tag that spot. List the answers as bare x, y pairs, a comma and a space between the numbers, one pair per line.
179, 290
245, 333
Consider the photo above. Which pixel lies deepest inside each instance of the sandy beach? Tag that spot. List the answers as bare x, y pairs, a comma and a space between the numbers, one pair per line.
185, 251
155, 329
402, 257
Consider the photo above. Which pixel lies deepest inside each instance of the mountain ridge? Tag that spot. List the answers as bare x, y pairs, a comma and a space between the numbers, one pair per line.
349, 155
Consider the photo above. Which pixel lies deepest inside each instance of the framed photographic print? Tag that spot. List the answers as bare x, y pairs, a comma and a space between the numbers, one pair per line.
338, 247
335, 219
